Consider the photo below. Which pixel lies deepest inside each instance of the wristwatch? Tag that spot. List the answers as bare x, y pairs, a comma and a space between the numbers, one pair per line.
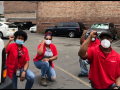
118, 87
24, 70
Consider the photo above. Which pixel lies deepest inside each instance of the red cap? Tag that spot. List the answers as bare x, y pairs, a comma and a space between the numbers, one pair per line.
47, 33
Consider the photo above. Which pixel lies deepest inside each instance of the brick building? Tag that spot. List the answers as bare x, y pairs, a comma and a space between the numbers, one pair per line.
52, 12
20, 11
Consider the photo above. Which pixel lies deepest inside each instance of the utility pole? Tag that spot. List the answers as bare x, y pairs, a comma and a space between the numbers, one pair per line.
37, 18
41, 12
39, 15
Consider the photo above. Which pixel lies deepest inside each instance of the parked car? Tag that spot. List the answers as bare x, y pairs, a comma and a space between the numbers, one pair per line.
23, 25
72, 29
19, 24
7, 29
27, 25
5, 81
33, 28
100, 27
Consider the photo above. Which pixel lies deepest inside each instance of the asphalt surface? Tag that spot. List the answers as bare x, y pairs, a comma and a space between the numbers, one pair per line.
67, 65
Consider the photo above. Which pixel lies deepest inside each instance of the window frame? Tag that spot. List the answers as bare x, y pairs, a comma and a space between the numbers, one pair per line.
66, 23
59, 23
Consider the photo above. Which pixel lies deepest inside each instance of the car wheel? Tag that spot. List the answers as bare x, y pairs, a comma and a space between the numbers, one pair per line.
115, 38
1, 35
71, 34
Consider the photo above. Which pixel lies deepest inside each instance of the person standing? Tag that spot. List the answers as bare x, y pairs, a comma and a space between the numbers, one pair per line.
17, 60
104, 62
83, 63
46, 54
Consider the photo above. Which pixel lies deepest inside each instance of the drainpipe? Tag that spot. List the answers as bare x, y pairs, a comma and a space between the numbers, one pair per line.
35, 14
37, 22
39, 19
41, 12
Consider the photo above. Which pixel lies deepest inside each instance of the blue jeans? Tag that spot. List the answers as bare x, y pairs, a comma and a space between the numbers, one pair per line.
46, 68
30, 77
83, 66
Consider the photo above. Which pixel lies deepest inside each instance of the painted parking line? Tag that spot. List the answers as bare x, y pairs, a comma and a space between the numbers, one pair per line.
116, 42
73, 76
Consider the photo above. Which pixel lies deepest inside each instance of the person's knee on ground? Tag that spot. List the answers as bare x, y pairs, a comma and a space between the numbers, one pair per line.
53, 78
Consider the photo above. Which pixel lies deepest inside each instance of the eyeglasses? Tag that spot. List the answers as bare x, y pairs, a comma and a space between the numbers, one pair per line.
48, 39
19, 54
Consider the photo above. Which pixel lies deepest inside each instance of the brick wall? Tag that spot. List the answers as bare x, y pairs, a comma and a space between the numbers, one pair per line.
82, 11
19, 9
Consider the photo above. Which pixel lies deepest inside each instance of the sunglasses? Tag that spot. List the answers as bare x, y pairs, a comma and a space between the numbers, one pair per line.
48, 39
19, 54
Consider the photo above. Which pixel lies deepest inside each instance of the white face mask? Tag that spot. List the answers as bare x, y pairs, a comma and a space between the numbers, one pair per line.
105, 43
93, 39
48, 42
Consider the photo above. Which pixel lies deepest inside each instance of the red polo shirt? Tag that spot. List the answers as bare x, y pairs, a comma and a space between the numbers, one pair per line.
12, 58
39, 57
103, 70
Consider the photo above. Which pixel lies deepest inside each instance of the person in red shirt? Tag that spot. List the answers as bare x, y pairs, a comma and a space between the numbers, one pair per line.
17, 60
104, 62
46, 54
83, 63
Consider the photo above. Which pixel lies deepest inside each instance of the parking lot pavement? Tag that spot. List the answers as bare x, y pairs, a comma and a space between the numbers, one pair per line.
67, 65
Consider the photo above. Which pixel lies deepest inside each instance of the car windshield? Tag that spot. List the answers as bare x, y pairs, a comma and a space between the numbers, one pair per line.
100, 26
10, 24
34, 26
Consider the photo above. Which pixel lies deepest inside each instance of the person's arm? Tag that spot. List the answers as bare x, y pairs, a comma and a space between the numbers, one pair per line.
26, 66
84, 47
118, 78
8, 42
53, 58
117, 82
40, 50
50, 59
22, 77
83, 37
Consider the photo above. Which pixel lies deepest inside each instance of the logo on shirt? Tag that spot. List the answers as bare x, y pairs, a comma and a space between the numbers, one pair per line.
112, 61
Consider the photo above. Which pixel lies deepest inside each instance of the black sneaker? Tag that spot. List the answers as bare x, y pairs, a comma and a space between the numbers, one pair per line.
81, 75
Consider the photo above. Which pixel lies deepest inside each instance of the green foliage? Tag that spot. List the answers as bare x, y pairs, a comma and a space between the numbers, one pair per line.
43, 32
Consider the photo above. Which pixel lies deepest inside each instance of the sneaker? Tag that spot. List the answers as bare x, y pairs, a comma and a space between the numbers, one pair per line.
81, 75
43, 81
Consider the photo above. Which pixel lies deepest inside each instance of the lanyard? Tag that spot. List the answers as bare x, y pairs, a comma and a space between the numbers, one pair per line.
18, 57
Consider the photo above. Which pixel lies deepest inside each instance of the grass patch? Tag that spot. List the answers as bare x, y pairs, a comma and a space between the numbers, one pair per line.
118, 36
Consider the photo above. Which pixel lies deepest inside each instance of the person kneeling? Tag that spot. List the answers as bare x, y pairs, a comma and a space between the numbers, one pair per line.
46, 53
17, 60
